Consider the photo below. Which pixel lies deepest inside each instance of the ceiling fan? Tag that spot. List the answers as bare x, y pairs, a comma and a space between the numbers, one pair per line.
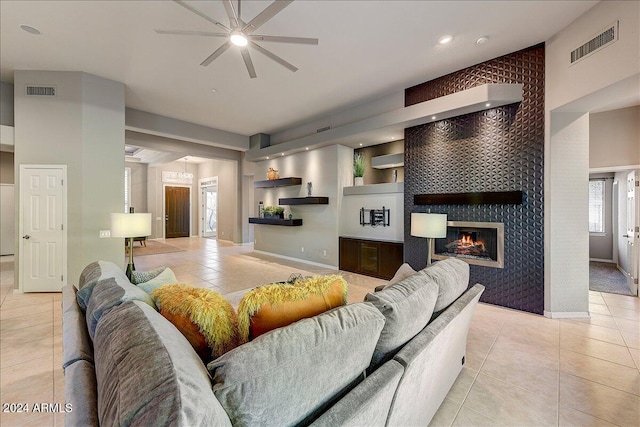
241, 34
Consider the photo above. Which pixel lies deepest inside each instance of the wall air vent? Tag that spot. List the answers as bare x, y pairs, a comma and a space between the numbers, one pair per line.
326, 128
595, 44
41, 90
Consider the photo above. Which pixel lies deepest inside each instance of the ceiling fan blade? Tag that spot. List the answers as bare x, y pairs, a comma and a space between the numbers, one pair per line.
202, 15
283, 39
192, 33
273, 56
271, 11
231, 13
219, 51
248, 62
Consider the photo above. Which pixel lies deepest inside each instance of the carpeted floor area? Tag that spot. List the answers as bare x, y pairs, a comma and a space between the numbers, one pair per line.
153, 247
605, 277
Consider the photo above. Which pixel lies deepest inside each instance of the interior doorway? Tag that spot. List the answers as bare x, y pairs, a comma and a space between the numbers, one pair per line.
177, 211
209, 207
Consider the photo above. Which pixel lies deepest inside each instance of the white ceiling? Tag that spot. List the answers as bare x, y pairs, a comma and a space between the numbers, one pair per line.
367, 49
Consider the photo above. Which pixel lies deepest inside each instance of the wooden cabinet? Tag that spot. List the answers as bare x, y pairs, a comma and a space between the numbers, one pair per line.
370, 257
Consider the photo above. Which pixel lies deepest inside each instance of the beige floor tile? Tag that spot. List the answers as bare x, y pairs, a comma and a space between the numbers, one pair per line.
622, 301
23, 322
598, 320
599, 401
468, 417
39, 391
16, 353
26, 334
596, 299
22, 300
22, 374
510, 404
462, 385
627, 325
607, 373
570, 417
625, 314
599, 309
602, 350
632, 339
40, 310
590, 331
445, 414
635, 355
37, 419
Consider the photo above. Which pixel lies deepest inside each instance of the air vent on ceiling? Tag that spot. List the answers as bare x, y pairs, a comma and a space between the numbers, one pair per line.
41, 90
326, 128
595, 44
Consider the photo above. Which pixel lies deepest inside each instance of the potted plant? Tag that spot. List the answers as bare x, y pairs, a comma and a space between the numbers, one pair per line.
358, 168
273, 212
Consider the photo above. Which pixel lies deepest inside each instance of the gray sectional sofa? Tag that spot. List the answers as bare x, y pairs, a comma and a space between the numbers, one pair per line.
387, 361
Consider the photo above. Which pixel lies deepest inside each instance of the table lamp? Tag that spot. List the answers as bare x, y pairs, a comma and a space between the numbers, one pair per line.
429, 225
129, 226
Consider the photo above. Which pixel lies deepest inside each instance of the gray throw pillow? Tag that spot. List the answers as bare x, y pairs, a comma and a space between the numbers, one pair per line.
452, 277
407, 307
138, 276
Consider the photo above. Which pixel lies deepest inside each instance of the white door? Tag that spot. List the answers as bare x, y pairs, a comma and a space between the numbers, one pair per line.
209, 207
633, 233
42, 228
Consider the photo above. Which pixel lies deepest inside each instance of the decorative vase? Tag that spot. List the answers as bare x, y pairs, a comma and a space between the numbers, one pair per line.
272, 174
358, 180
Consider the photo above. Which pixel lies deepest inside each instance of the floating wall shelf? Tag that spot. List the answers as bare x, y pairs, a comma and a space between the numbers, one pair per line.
480, 198
389, 187
282, 182
388, 161
295, 222
304, 201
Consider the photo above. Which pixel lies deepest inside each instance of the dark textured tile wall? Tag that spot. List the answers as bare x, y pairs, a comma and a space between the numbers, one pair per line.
500, 149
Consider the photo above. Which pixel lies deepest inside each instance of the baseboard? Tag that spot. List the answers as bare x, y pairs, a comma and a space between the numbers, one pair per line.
609, 261
304, 261
623, 272
567, 314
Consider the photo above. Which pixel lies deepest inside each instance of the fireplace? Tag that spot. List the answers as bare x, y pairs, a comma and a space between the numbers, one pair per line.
480, 243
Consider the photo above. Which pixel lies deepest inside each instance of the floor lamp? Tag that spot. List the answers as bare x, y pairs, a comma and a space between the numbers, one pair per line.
129, 226
429, 225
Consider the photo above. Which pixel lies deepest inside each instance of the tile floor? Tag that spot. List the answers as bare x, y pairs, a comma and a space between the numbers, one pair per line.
522, 369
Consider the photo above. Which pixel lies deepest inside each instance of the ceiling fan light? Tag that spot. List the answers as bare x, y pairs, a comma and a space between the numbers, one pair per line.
239, 39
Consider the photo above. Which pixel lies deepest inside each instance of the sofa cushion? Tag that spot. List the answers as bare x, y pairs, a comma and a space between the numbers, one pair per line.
285, 376
108, 293
402, 273
148, 374
203, 316
92, 274
407, 307
76, 344
265, 308
140, 276
166, 277
452, 277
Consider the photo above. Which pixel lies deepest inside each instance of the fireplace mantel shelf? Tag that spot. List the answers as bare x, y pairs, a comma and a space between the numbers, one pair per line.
479, 198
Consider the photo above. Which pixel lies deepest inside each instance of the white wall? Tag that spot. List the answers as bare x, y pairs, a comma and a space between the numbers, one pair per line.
614, 138
138, 186
350, 216
81, 127
329, 169
567, 144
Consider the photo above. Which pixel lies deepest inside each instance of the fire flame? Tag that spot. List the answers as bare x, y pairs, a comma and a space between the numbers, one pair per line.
467, 241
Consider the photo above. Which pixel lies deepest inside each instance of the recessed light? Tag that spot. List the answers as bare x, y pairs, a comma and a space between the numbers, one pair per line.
361, 144
282, 154
307, 148
214, 89
482, 40
488, 104
267, 157
445, 39
30, 30
433, 117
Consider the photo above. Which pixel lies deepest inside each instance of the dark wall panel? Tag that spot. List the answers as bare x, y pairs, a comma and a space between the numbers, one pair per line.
500, 149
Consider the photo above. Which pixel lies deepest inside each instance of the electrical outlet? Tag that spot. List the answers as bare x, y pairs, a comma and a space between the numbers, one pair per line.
105, 233
324, 252
302, 249
223, 233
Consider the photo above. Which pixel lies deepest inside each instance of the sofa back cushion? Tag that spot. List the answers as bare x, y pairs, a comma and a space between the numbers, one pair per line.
109, 293
407, 307
287, 376
92, 274
452, 277
148, 374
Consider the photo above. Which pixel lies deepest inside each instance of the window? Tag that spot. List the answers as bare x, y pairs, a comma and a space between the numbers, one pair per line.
127, 189
596, 206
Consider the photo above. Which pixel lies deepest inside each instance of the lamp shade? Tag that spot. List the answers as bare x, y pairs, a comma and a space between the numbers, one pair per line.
130, 224
428, 225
